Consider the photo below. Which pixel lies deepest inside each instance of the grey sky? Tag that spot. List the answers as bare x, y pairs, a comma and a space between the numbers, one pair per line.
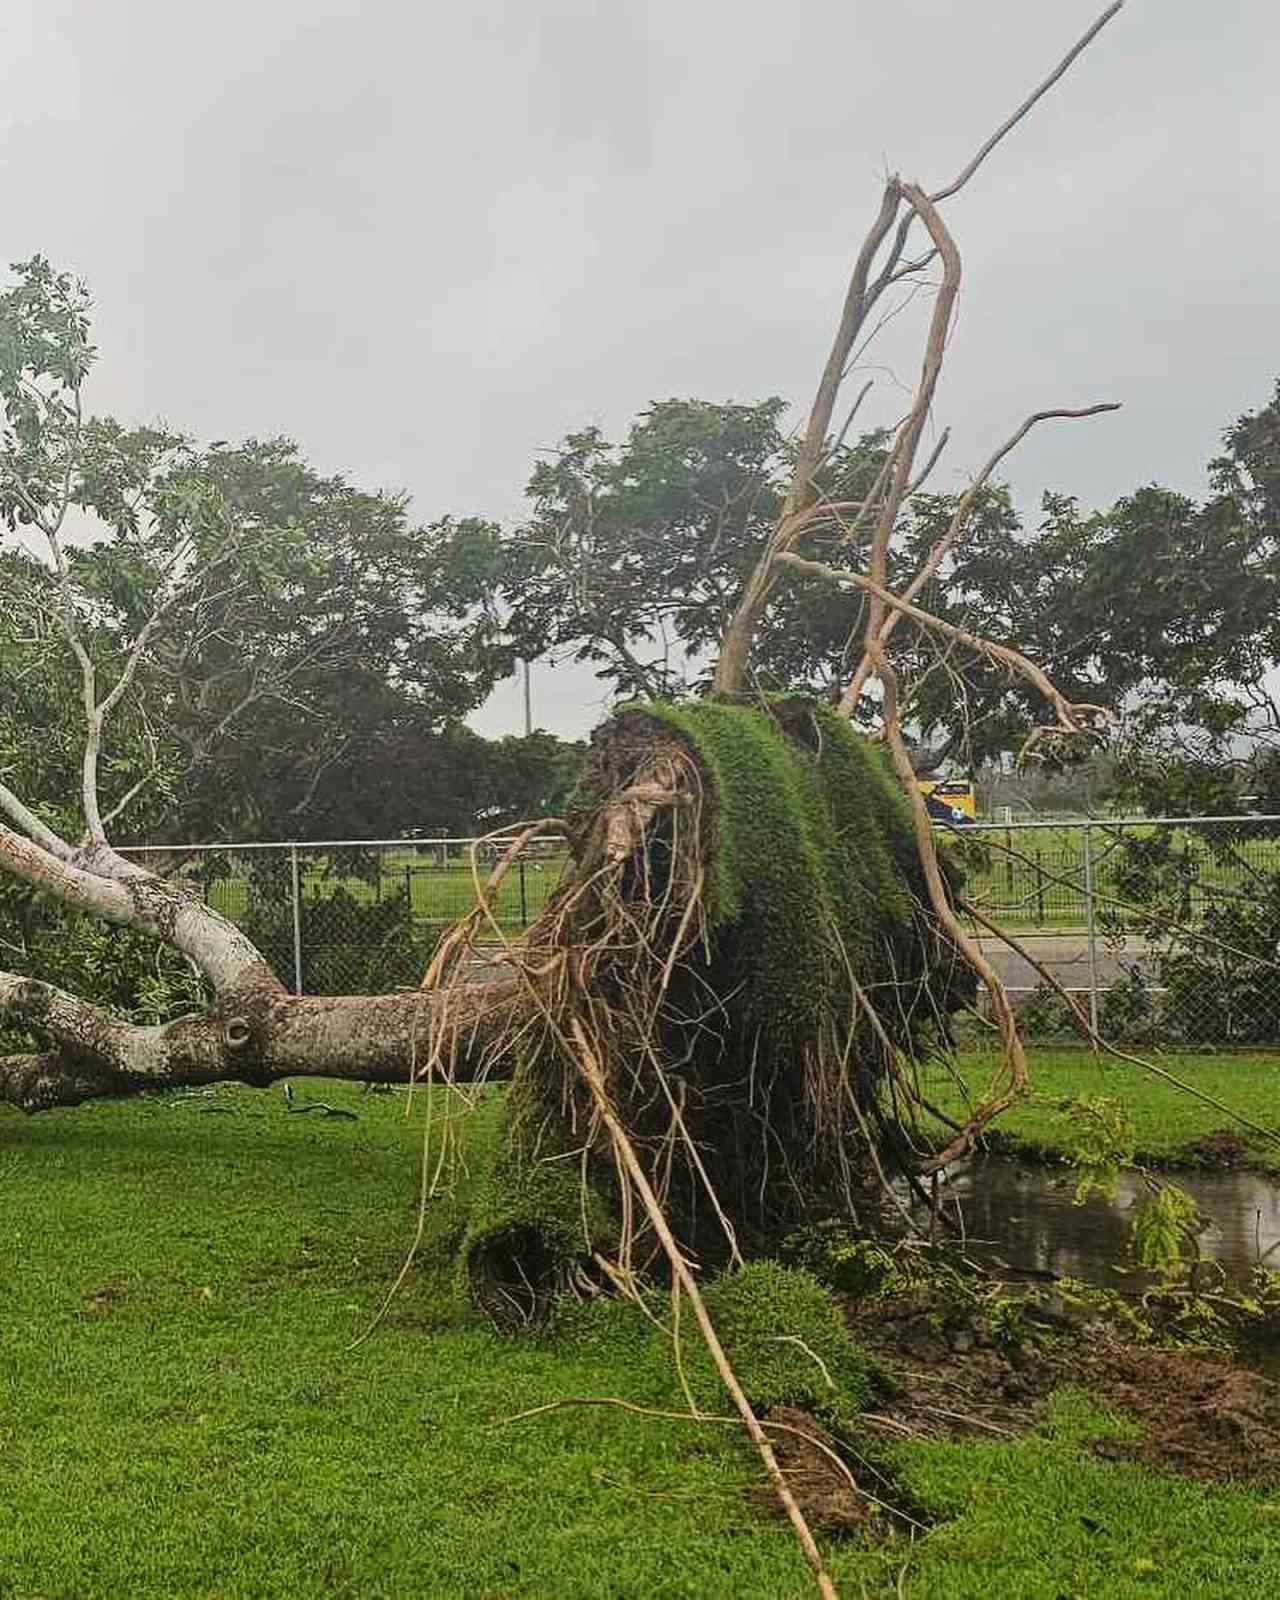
426, 240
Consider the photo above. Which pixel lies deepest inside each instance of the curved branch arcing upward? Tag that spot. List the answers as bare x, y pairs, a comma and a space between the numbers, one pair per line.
955, 528
100, 882
36, 830
731, 669
862, 295
1073, 717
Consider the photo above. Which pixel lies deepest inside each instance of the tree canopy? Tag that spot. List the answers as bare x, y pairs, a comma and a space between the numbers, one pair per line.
633, 556
269, 629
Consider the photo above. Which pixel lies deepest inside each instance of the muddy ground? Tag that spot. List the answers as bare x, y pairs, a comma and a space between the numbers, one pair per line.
1198, 1414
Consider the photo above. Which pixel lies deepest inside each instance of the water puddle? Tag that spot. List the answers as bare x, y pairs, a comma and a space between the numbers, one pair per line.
1025, 1216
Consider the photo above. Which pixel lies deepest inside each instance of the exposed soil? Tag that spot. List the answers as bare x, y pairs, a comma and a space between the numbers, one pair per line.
1223, 1149
1200, 1416
838, 1490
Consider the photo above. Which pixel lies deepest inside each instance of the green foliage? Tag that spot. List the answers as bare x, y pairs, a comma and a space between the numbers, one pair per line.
1208, 900
526, 778
306, 624
1170, 1127
844, 1260
135, 976
1099, 1143
349, 946
634, 555
44, 356
785, 1339
1166, 1227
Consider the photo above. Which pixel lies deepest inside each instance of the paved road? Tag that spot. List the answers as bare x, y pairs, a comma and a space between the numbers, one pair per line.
1066, 955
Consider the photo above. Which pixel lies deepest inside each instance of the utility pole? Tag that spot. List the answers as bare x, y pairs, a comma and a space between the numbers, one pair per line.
528, 701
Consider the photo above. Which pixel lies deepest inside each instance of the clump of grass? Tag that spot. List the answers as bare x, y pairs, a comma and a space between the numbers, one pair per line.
785, 1337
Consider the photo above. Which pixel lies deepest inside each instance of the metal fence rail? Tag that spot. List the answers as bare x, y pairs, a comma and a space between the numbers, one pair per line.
350, 916
1167, 928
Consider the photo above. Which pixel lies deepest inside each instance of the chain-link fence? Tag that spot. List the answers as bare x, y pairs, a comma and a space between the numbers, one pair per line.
356, 917
1165, 930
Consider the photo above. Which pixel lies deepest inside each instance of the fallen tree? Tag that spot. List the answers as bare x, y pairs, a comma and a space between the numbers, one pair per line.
755, 936
710, 1030
755, 933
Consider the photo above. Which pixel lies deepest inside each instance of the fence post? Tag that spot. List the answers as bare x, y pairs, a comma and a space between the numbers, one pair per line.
1090, 913
296, 878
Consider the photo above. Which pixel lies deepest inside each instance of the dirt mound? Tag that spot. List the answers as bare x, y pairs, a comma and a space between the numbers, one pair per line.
1201, 1416
838, 1490
1222, 1149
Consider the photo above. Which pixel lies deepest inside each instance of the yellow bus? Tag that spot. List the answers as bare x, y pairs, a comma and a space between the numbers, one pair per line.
950, 799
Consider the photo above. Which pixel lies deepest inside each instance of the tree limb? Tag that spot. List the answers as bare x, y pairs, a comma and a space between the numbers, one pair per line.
365, 1038
956, 526
98, 881
1038, 93
1072, 718
32, 826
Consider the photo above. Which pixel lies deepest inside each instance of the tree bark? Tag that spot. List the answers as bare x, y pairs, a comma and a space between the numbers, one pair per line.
267, 1036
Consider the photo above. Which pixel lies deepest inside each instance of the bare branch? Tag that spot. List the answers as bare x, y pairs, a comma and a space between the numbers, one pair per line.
1072, 718
1011, 122
32, 826
731, 668
853, 412
954, 529
1007, 1085
922, 477
365, 1038
101, 883
902, 456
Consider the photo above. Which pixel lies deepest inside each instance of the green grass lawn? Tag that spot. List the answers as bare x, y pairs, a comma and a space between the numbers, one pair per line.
438, 895
1167, 1122
1041, 884
181, 1413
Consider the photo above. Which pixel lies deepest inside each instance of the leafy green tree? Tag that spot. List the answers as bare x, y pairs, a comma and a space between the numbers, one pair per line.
634, 556
257, 626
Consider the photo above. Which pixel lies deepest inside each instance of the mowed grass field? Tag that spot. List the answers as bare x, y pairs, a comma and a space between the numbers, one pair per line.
182, 1412
1169, 1124
438, 894
1034, 877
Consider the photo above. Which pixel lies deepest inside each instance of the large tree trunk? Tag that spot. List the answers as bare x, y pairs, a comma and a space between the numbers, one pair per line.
256, 1031
258, 1038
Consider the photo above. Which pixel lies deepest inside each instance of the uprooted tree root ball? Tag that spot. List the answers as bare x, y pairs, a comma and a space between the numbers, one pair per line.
744, 951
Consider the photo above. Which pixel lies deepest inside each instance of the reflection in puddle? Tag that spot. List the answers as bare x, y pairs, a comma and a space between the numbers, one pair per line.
1025, 1215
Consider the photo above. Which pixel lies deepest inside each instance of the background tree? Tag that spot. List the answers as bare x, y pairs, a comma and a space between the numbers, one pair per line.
265, 624
1188, 666
634, 556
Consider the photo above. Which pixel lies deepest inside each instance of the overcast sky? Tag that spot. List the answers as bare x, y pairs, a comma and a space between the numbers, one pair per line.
426, 240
